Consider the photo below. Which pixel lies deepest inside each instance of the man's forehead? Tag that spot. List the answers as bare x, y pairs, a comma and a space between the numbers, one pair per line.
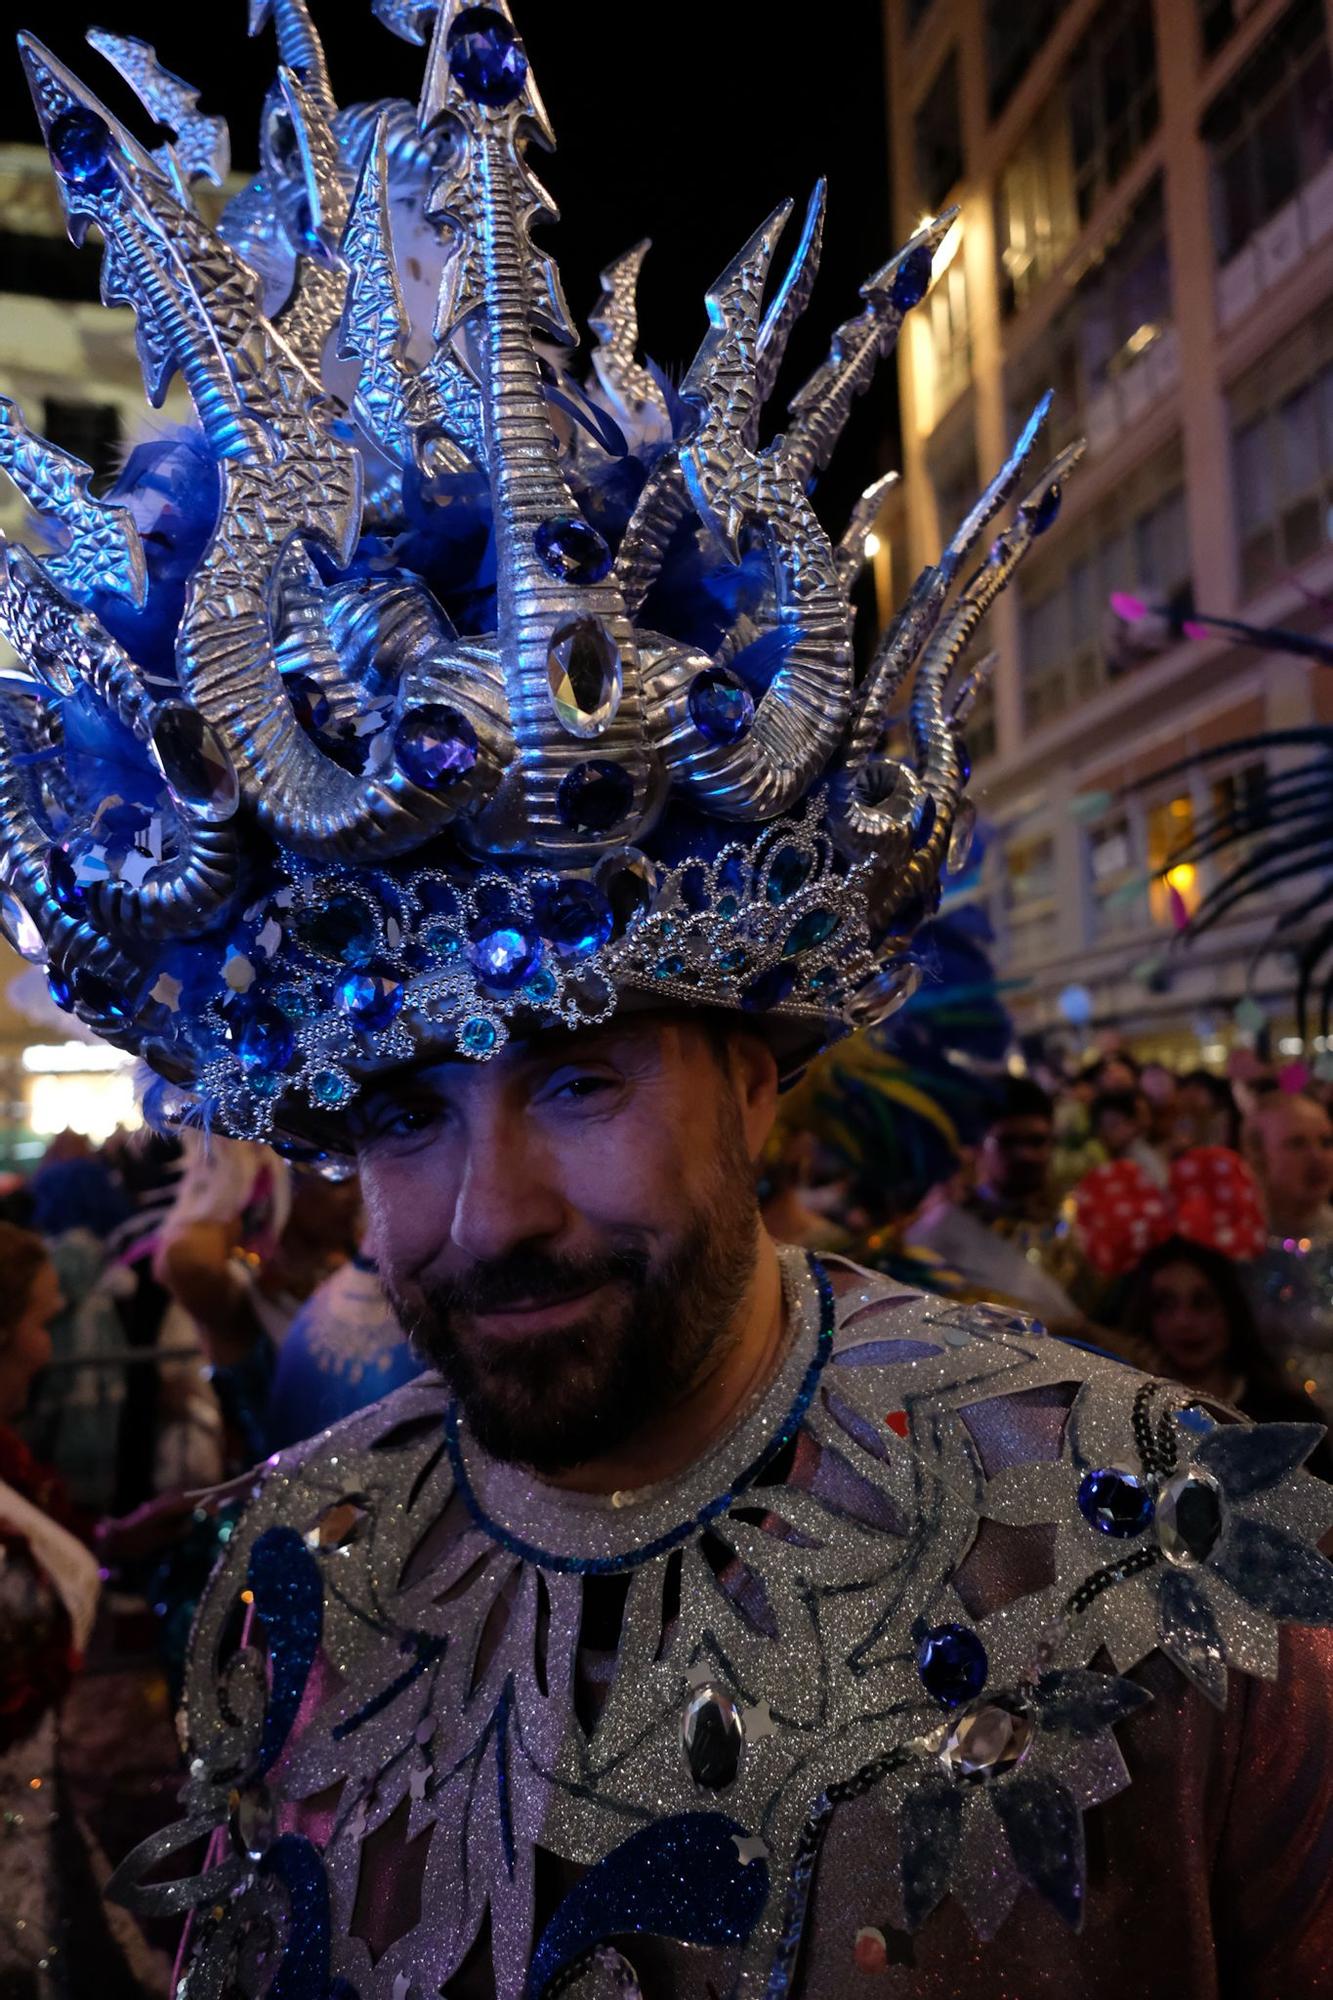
629, 1037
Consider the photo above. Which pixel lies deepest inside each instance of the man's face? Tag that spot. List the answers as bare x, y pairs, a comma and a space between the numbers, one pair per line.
1015, 1155
566, 1232
1294, 1154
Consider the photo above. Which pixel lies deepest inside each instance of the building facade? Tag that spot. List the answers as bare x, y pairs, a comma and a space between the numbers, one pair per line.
1146, 197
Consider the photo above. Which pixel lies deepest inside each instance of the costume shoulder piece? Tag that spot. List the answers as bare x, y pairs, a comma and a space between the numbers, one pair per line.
423, 687
809, 1618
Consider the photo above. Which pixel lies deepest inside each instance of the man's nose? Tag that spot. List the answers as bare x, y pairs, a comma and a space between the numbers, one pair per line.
508, 1194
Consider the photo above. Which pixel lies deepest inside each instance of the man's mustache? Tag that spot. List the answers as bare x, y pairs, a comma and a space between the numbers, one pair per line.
530, 1277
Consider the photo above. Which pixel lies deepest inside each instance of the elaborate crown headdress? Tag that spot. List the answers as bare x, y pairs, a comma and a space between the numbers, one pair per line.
421, 687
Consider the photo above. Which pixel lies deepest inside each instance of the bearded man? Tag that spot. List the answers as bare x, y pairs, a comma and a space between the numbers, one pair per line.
707, 1620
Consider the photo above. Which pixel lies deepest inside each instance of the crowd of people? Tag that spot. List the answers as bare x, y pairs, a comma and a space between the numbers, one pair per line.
173, 1311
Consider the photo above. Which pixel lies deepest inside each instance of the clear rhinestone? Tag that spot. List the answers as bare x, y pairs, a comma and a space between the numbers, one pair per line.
1189, 1517
990, 1737
585, 675
961, 836
253, 1820
712, 1735
337, 1527
20, 929
189, 754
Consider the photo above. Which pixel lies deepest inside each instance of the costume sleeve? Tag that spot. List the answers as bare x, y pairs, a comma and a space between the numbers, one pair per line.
1273, 1888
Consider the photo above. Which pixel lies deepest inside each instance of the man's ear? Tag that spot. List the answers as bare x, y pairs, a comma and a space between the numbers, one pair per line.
754, 1073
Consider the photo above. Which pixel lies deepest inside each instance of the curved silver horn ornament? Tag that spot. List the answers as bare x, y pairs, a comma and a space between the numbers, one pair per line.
428, 686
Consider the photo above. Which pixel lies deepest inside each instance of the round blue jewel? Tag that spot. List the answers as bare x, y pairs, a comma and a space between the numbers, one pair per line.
61, 990
80, 143
1115, 1503
594, 796
923, 821
295, 1004
371, 998
1046, 509
574, 917
790, 871
478, 1036
439, 939
486, 59
435, 746
952, 1663
67, 890
770, 989
721, 707
505, 959
727, 907
329, 1088
343, 928
911, 280
669, 968
811, 929
542, 988
572, 550
262, 1038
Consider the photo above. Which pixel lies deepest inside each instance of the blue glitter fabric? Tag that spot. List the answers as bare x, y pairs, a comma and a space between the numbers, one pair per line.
304, 1971
289, 1598
680, 1878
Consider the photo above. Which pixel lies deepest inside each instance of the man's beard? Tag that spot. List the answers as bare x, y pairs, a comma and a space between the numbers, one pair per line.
563, 1398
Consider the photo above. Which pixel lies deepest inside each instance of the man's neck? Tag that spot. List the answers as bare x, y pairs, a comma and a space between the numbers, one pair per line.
744, 1365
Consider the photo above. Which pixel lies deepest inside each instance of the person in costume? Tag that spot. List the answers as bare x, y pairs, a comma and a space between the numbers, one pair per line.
707, 1618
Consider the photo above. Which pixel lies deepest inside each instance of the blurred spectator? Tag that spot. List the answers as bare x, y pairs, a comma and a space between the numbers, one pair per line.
1190, 1301
1205, 1111
1121, 1121
51, 1870
1117, 1071
1007, 1234
344, 1350
1289, 1141
246, 1243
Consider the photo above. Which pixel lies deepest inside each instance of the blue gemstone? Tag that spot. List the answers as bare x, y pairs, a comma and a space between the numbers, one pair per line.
1046, 510
923, 821
328, 1087
727, 907
372, 999
542, 988
573, 550
629, 891
61, 990
732, 874
262, 1038
952, 1663
80, 143
68, 892
295, 1004
733, 961
435, 746
669, 968
721, 707
486, 59
964, 761
808, 931
574, 917
824, 980
439, 940
311, 705
594, 796
478, 1036
911, 280
1115, 1503
790, 871
770, 989
343, 929
505, 959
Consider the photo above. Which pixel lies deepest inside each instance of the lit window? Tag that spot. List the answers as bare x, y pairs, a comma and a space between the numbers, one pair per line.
1173, 892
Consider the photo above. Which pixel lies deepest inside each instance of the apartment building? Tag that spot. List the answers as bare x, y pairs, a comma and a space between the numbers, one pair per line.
1146, 196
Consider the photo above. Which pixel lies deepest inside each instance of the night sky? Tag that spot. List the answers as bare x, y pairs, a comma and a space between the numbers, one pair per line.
687, 126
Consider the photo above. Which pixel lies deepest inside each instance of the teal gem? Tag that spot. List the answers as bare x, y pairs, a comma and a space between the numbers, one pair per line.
541, 989
478, 1036
812, 929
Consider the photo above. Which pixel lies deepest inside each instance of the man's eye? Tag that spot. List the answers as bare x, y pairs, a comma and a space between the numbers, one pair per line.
401, 1121
578, 1089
